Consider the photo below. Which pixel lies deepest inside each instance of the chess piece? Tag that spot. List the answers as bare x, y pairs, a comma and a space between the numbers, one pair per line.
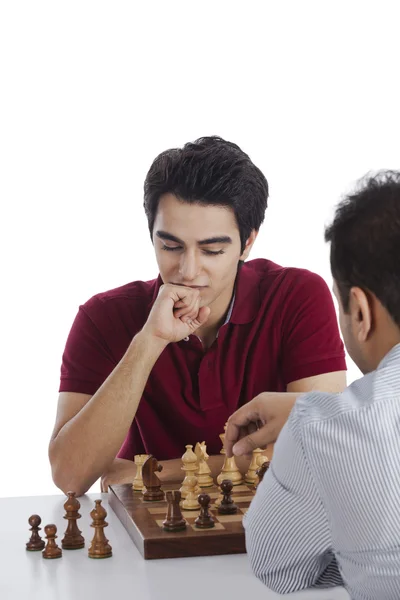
203, 474
51, 550
174, 520
190, 466
190, 502
35, 542
227, 506
73, 539
222, 438
230, 471
263, 468
99, 548
152, 484
137, 484
204, 520
251, 475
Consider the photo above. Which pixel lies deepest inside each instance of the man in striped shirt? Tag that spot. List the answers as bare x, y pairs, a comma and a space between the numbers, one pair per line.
328, 509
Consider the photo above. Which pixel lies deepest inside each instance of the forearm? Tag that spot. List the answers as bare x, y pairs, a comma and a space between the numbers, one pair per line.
88, 443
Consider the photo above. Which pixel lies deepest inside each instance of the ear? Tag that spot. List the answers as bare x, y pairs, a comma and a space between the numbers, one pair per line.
361, 314
249, 244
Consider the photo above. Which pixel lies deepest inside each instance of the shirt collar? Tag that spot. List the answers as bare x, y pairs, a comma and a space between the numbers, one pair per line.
391, 358
247, 296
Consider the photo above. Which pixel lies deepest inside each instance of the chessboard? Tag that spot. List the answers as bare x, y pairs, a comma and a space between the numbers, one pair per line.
143, 522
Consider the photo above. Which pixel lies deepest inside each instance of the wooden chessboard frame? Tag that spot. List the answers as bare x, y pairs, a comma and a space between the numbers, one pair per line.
143, 522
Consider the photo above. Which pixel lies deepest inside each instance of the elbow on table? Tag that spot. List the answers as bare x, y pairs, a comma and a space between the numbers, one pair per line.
276, 581
66, 477
274, 577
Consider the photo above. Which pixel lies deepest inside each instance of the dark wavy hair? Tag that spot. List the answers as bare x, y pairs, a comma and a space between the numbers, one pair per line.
209, 171
365, 241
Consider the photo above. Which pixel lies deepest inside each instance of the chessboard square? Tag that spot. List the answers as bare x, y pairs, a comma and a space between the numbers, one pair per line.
244, 509
216, 526
230, 518
160, 522
214, 495
240, 488
190, 514
238, 499
161, 510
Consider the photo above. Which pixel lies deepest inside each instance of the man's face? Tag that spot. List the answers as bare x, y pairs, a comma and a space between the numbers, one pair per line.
197, 246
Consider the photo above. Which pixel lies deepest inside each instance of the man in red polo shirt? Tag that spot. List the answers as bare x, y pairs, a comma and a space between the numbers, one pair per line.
152, 366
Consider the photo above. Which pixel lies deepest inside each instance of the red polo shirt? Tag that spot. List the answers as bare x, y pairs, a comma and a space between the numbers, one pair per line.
282, 328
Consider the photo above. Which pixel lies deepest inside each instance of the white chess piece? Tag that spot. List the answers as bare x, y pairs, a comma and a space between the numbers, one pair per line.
190, 466
203, 475
191, 502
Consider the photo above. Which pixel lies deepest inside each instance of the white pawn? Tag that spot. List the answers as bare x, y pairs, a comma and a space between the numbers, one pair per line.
190, 467
191, 502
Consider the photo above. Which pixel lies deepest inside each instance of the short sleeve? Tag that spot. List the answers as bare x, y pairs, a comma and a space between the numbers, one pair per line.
87, 361
311, 343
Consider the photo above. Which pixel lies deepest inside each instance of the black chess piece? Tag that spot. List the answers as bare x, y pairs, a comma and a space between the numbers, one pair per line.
73, 538
205, 519
35, 542
261, 472
227, 506
174, 520
51, 550
153, 491
100, 547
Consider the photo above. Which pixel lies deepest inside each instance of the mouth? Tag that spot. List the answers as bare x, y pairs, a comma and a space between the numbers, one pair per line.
193, 287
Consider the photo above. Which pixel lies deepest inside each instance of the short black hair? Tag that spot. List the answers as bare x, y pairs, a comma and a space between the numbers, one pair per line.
365, 241
209, 171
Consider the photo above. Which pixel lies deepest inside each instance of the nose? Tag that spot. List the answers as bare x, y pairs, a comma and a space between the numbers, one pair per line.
189, 266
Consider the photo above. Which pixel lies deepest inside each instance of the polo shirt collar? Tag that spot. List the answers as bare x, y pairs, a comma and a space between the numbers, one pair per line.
247, 296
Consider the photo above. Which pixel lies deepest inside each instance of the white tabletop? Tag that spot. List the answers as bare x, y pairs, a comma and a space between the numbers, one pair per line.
26, 575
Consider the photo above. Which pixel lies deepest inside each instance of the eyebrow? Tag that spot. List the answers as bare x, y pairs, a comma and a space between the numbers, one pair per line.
219, 239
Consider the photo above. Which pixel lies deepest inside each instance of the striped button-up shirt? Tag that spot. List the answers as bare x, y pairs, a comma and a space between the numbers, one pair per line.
328, 509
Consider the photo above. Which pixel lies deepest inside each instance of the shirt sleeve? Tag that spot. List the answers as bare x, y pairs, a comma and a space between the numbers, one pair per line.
287, 533
87, 360
311, 342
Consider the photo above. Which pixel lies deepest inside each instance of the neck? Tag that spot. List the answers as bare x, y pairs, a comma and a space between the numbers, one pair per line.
219, 310
386, 337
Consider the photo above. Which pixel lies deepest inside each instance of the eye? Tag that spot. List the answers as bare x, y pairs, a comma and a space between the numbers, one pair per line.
213, 252
170, 248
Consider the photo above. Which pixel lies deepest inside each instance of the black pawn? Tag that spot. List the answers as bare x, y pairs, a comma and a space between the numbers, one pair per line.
35, 543
204, 520
227, 506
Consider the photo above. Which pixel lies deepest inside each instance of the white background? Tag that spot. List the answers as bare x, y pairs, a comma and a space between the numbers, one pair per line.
91, 92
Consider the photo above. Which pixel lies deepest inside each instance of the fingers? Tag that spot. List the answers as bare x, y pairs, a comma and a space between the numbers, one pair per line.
258, 439
238, 424
189, 311
202, 315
